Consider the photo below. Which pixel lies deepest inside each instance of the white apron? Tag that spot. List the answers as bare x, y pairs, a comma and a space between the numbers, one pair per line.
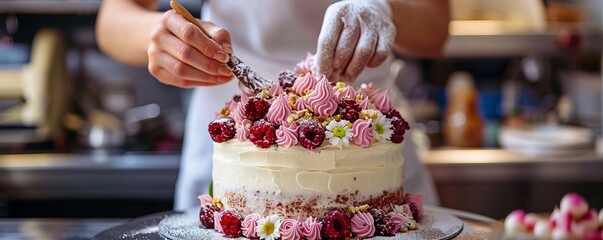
270, 36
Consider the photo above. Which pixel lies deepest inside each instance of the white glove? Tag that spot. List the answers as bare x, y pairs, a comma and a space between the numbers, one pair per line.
354, 34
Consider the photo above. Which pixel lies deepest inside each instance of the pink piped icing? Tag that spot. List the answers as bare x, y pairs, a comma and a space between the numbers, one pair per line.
417, 200
368, 89
366, 104
290, 230
287, 136
348, 92
322, 100
398, 220
363, 132
363, 225
304, 83
279, 110
205, 199
245, 96
275, 90
217, 225
239, 112
232, 107
300, 104
249, 224
306, 65
310, 229
242, 133
382, 101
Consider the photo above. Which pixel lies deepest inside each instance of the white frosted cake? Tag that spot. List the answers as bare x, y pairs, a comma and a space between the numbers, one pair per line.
306, 159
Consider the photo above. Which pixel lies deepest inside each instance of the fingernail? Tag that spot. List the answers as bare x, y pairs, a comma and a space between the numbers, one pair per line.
227, 47
221, 56
224, 70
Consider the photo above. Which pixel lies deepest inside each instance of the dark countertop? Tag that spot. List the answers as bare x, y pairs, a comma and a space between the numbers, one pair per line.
49, 229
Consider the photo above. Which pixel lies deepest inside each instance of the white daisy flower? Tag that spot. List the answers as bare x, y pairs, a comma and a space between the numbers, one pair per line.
382, 128
268, 227
339, 133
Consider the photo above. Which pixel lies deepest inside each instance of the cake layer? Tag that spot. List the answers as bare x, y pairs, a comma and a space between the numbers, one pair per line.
262, 178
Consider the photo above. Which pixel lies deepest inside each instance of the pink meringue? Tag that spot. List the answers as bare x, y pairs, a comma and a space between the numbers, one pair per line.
249, 224
205, 199
239, 112
275, 90
322, 99
305, 66
398, 220
242, 133
574, 204
382, 101
279, 110
363, 133
514, 223
348, 92
232, 108
290, 230
300, 104
310, 228
363, 225
287, 136
366, 104
368, 89
543, 229
217, 225
304, 83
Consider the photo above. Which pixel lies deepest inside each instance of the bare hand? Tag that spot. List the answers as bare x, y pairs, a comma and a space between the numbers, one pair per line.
181, 55
354, 35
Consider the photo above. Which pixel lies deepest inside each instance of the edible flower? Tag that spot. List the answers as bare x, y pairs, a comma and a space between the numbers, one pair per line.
339, 133
268, 227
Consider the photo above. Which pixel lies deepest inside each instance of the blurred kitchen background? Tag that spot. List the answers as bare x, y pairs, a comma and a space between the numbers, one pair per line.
508, 118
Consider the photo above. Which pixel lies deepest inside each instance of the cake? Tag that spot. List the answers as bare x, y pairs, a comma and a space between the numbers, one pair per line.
309, 159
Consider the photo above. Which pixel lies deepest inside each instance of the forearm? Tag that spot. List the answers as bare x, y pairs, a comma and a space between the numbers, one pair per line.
422, 26
124, 27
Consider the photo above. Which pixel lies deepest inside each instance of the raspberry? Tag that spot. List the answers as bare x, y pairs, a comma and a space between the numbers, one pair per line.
386, 227
400, 127
414, 211
336, 225
393, 113
262, 134
231, 223
286, 79
311, 134
222, 129
206, 215
256, 108
349, 109
377, 214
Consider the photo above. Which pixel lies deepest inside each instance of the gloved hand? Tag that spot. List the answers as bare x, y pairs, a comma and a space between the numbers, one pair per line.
181, 55
354, 34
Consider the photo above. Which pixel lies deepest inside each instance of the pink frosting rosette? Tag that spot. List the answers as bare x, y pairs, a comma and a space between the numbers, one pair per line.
290, 230
239, 112
382, 101
348, 91
242, 133
310, 228
366, 104
417, 200
368, 89
279, 110
287, 136
245, 96
305, 66
398, 220
304, 83
363, 132
300, 104
205, 199
232, 108
363, 225
217, 225
322, 100
275, 90
249, 224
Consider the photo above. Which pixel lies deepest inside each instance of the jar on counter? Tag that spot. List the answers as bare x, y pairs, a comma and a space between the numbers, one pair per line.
463, 125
